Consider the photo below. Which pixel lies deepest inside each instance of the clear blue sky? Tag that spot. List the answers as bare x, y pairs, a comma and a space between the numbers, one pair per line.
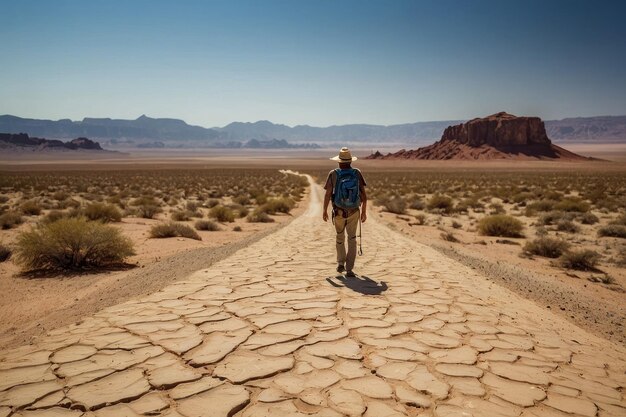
319, 62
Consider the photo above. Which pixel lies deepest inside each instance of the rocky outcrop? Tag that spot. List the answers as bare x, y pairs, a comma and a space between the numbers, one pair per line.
23, 141
499, 136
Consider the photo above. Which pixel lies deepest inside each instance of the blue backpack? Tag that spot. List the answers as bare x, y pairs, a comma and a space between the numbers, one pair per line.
347, 190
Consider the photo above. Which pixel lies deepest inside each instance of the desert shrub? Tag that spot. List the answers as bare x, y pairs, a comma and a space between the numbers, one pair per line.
173, 229
416, 203
582, 260
277, 205
192, 206
10, 219
456, 224
546, 246
448, 236
53, 216
572, 204
553, 217
500, 225
261, 198
420, 219
212, 202
441, 203
222, 214
68, 203
147, 211
206, 225
4, 199
567, 226
5, 253
613, 230
395, 205
540, 205
71, 244
184, 215
259, 217
588, 218
240, 211
30, 208
237, 229
497, 208
621, 220
242, 200
541, 231
103, 212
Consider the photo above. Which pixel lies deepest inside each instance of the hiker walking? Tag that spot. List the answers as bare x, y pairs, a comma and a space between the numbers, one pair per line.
345, 187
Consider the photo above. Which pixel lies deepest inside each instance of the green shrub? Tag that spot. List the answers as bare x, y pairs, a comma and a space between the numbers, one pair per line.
500, 225
567, 226
395, 204
613, 230
547, 247
582, 260
172, 230
540, 205
240, 211
71, 244
222, 214
10, 219
5, 253
279, 205
259, 217
206, 225
103, 212
53, 216
572, 205
441, 203
30, 208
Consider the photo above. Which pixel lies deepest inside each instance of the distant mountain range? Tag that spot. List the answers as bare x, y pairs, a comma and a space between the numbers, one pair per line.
148, 132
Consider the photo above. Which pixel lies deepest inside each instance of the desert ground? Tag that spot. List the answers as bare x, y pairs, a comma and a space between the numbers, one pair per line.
257, 323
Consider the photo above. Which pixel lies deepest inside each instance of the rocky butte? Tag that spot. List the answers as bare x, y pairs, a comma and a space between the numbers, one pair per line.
21, 141
499, 136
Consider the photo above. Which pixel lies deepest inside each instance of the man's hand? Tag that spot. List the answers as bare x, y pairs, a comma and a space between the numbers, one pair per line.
363, 216
325, 216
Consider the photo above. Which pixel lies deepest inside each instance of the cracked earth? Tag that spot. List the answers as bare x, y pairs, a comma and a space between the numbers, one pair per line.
271, 331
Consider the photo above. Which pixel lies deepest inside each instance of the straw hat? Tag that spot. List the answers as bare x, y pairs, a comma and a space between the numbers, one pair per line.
344, 156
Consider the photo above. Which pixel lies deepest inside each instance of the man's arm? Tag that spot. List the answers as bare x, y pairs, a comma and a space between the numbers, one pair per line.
327, 196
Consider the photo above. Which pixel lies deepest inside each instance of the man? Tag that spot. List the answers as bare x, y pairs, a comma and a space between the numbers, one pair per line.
346, 188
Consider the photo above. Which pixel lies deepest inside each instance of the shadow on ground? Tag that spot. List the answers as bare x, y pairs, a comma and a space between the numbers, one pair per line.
362, 284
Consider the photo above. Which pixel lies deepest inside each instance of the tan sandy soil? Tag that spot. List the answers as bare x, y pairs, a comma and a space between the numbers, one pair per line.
31, 306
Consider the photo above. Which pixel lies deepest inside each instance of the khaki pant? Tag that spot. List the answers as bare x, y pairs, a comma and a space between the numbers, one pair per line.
342, 227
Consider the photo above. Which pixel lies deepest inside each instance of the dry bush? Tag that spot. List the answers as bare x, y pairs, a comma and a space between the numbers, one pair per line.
567, 226
440, 203
449, 236
416, 203
173, 230
53, 216
242, 200
572, 205
613, 230
4, 199
547, 247
184, 215
541, 206
456, 224
395, 205
621, 220
588, 218
212, 202
259, 217
10, 219
277, 205
237, 229
582, 260
148, 211
103, 212
420, 219
240, 211
496, 208
71, 244
206, 225
500, 225
31, 208
5, 253
192, 206
553, 217
222, 214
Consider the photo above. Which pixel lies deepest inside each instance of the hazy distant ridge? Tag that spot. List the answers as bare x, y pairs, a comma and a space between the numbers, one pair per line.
174, 132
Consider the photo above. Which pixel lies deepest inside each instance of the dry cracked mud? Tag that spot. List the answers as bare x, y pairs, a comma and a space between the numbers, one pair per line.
271, 331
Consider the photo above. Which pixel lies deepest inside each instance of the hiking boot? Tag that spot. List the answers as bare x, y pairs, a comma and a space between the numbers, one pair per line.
350, 274
340, 268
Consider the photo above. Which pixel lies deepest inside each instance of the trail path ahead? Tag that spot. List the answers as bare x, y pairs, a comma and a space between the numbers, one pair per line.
264, 333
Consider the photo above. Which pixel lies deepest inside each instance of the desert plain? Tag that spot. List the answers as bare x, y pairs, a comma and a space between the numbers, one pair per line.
521, 314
